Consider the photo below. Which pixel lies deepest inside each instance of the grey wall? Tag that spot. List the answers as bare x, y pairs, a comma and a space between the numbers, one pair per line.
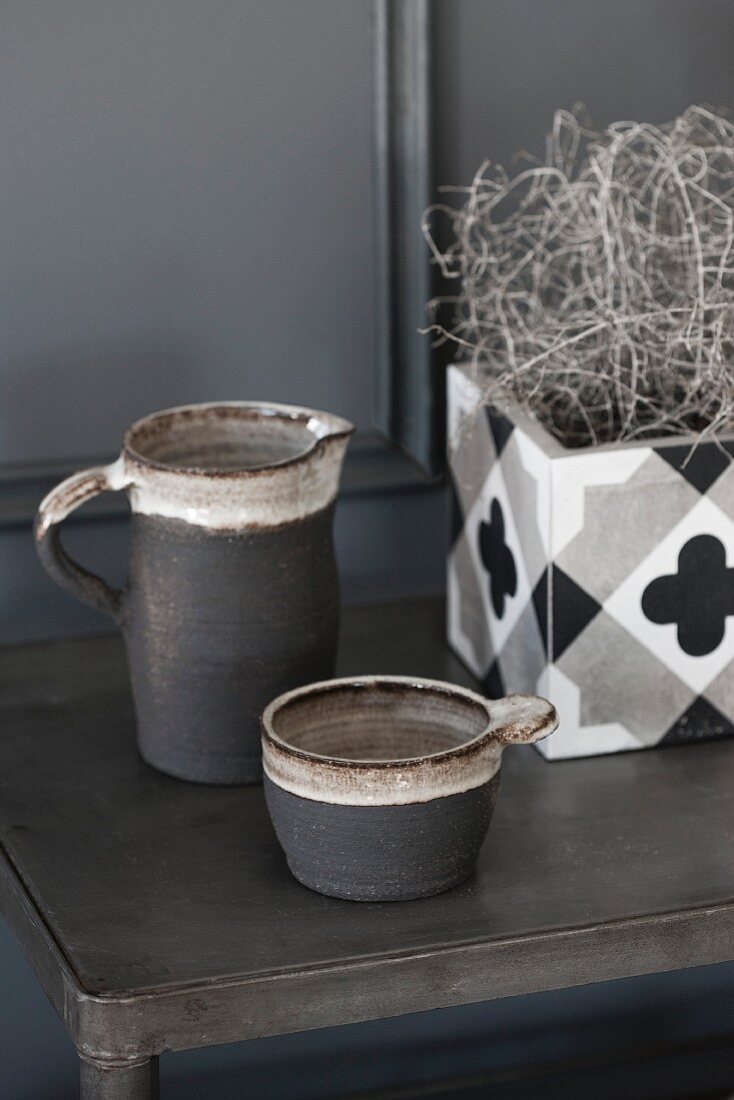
504, 66
186, 215
186, 212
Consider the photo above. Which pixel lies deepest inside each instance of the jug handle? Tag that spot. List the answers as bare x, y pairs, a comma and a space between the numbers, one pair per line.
522, 719
65, 498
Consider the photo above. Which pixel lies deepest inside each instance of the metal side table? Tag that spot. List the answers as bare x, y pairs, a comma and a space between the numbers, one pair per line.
160, 915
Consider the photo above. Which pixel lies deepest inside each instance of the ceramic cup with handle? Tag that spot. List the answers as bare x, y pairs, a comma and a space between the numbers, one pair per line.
233, 593
381, 788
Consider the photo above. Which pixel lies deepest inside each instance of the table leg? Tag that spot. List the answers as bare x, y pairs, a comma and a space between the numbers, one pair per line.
135, 1082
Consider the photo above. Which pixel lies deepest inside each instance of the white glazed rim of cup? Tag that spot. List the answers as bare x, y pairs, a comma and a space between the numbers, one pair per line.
469, 763
319, 426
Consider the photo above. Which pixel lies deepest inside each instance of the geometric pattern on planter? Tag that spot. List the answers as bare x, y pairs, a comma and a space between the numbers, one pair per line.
644, 508
698, 598
621, 681
702, 467
473, 456
496, 548
701, 722
603, 579
676, 597
525, 475
497, 558
467, 621
721, 492
524, 656
581, 737
720, 692
573, 610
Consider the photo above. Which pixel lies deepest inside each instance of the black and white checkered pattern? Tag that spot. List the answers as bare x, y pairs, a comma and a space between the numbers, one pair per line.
602, 578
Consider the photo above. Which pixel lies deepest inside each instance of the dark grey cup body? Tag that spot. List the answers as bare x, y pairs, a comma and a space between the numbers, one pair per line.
217, 624
382, 853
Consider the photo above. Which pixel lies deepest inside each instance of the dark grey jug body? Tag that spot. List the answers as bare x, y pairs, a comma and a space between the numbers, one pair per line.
217, 624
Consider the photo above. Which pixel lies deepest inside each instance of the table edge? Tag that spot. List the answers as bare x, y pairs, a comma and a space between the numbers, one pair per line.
115, 1027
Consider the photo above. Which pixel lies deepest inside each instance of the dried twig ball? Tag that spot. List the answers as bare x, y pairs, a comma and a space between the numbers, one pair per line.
597, 289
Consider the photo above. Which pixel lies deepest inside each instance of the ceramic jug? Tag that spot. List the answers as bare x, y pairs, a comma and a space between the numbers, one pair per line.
233, 593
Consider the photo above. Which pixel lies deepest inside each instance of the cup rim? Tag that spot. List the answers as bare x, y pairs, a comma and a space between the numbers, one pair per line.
493, 709
472, 763
323, 426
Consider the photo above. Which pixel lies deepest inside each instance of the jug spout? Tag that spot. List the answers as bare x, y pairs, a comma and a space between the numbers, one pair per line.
331, 435
329, 426
521, 719
323, 460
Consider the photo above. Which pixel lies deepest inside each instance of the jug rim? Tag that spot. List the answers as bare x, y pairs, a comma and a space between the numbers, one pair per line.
323, 426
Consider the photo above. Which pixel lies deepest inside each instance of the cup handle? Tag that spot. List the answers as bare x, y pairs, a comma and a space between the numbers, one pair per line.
60, 502
522, 719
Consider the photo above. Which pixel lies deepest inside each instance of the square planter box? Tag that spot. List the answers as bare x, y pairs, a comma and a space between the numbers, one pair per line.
601, 578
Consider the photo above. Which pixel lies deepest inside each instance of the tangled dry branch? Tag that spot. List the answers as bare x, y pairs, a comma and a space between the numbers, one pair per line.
597, 289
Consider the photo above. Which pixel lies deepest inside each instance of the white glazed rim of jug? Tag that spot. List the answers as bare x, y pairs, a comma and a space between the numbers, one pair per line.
318, 427
472, 759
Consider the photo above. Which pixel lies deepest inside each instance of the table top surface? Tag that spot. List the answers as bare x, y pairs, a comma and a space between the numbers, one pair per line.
142, 884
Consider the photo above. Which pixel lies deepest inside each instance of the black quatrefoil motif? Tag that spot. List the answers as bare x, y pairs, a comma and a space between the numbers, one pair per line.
497, 558
698, 598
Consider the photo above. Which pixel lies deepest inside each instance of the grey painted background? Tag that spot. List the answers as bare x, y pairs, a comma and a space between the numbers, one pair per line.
504, 66
186, 210
186, 214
